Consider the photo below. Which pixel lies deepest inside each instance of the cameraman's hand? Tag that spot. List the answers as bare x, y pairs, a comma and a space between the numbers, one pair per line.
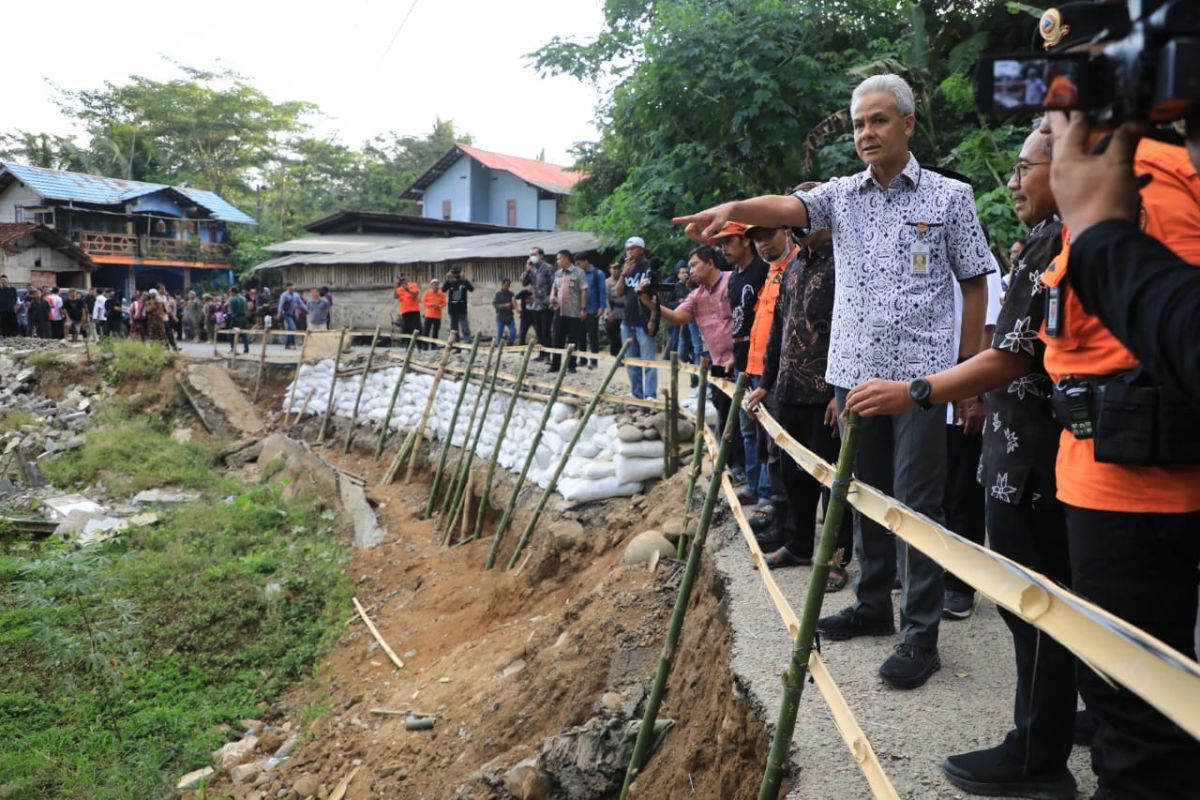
1094, 188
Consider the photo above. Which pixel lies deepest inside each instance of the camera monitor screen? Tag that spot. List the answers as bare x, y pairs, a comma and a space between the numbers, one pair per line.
1036, 84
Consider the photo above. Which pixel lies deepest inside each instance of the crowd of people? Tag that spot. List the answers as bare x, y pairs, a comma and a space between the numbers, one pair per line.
156, 314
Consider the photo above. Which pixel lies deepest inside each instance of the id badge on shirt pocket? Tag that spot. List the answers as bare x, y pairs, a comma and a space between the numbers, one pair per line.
919, 257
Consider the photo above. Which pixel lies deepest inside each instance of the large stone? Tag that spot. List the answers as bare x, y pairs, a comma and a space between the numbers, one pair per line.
245, 773
526, 781
567, 534
193, 779
628, 433
165, 496
234, 753
306, 785
300, 472
287, 748
643, 546
367, 532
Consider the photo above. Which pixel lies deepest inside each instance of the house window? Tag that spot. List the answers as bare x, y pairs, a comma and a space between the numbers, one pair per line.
512, 213
445, 209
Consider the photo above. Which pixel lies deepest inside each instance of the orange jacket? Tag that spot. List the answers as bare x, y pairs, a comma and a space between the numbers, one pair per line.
434, 300
1084, 347
406, 296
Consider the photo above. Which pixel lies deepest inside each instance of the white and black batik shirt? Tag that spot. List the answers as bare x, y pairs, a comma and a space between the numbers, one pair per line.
889, 322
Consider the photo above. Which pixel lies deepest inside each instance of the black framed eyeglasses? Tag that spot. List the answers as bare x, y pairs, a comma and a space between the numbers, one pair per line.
1023, 167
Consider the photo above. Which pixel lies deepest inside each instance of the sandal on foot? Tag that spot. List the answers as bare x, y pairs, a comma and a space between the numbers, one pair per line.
762, 518
837, 579
783, 558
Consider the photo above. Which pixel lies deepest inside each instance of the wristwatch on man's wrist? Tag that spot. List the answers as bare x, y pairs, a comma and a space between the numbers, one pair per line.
920, 390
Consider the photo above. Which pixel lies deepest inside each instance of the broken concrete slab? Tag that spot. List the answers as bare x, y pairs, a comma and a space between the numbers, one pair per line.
367, 532
212, 382
165, 496
296, 468
64, 504
193, 779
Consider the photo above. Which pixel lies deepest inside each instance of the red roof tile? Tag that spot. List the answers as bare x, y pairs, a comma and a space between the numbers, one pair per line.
551, 177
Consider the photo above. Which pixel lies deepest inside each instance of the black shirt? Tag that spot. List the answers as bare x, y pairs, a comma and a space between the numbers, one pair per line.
636, 314
1154, 310
798, 347
456, 293
74, 308
502, 302
1020, 434
744, 286
8, 299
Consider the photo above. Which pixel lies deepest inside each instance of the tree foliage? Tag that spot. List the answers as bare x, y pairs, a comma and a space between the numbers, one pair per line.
215, 130
708, 100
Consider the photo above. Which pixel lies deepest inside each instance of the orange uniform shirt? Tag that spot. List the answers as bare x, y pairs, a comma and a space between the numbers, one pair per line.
764, 313
434, 302
407, 296
1086, 348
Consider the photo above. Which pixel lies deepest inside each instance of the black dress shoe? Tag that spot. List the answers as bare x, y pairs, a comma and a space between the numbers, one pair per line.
910, 666
998, 772
848, 623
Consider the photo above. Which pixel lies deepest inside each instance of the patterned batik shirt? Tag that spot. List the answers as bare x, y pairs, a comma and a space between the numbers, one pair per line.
543, 283
795, 363
1020, 434
889, 320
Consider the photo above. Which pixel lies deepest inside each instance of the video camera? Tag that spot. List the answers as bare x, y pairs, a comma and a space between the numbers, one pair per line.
1114, 60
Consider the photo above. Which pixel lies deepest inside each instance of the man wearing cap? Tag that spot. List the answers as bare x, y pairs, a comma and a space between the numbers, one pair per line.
457, 287
638, 276
901, 236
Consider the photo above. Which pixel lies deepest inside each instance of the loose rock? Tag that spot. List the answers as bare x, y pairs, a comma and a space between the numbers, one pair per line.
644, 545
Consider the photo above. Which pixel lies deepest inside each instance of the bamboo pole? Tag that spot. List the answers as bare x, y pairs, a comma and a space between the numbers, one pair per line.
450, 498
295, 381
537, 439
87, 334
387, 419
785, 724
361, 386
463, 502
303, 408
486, 497
262, 365
562, 462
424, 423
337, 363
667, 657
462, 393
697, 458
402, 453
672, 412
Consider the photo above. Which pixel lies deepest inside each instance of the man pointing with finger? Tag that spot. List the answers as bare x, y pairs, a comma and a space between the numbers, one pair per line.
901, 236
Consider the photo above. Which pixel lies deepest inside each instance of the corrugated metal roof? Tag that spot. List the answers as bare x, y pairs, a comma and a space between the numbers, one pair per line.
55, 184
341, 243
459, 248
13, 231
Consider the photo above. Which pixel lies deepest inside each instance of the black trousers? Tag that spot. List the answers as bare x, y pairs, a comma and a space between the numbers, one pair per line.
544, 321
721, 403
963, 503
8, 323
806, 424
57, 326
528, 320
612, 328
410, 322
1143, 568
1034, 533
567, 330
433, 328
591, 327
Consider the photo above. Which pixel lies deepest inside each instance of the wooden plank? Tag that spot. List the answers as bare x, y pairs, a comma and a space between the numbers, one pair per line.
362, 612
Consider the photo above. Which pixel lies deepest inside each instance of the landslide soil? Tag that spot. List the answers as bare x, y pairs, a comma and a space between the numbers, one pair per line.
506, 659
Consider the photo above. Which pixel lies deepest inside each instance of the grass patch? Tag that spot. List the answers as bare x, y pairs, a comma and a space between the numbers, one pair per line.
44, 358
134, 360
14, 419
118, 663
130, 451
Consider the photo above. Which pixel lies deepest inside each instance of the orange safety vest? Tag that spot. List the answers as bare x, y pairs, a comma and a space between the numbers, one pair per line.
434, 302
1086, 348
407, 296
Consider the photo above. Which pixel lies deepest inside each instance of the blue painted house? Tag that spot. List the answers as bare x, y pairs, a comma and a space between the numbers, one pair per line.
472, 185
138, 234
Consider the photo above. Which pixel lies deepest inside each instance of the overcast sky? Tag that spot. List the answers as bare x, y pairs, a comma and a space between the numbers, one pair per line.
457, 59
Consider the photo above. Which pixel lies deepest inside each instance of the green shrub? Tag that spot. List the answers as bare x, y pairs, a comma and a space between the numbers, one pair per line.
14, 419
44, 358
136, 360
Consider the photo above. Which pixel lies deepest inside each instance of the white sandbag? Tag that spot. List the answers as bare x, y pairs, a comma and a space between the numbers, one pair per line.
587, 449
634, 470
646, 448
583, 490
561, 411
599, 469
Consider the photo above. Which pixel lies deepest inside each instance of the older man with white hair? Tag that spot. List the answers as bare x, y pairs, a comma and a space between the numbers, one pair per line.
901, 236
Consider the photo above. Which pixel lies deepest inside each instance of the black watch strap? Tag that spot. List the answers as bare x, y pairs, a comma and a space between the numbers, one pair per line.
920, 390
